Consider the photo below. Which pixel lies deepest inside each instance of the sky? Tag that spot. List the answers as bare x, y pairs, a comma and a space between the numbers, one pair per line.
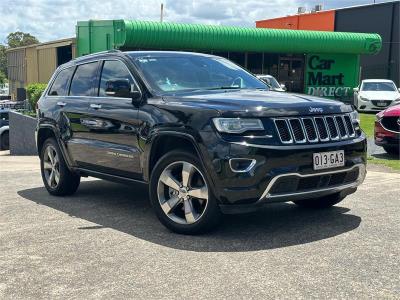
55, 19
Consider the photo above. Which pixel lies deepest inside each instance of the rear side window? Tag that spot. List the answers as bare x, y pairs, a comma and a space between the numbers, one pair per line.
113, 70
82, 82
60, 84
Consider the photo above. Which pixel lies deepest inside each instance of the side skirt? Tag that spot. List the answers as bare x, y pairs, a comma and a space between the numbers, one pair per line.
113, 178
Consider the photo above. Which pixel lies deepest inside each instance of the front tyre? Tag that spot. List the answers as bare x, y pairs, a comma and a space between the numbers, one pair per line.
181, 196
57, 178
320, 203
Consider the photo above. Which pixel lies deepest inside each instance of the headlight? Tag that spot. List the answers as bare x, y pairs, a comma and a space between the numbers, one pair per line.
355, 117
364, 99
237, 125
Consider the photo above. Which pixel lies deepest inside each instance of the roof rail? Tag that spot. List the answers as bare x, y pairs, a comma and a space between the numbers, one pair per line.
97, 53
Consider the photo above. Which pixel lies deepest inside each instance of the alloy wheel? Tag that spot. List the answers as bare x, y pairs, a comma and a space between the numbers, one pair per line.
51, 167
182, 192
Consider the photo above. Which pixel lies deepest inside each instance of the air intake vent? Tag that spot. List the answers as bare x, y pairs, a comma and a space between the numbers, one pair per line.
283, 130
297, 130
315, 129
342, 128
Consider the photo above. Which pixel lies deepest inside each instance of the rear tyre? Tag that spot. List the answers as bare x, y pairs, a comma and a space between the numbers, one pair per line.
319, 203
5, 141
392, 150
181, 196
57, 178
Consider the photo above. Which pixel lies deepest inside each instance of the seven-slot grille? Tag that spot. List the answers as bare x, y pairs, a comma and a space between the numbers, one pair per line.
314, 129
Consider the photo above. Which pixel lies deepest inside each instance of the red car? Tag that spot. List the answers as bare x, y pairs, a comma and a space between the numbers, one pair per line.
387, 129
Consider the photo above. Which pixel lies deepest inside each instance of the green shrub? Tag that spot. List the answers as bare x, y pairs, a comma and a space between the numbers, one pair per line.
34, 91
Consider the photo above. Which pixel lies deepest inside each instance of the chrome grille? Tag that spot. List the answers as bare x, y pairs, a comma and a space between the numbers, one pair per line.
314, 129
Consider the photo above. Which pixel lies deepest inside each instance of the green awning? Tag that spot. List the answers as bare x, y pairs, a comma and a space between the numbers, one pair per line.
155, 35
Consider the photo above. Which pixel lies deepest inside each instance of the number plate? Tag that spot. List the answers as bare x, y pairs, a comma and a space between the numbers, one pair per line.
326, 160
381, 103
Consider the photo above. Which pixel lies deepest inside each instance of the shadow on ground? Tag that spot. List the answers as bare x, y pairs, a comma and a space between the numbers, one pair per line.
386, 156
127, 209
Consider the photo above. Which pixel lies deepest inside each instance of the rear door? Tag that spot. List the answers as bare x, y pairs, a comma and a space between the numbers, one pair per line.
113, 125
75, 107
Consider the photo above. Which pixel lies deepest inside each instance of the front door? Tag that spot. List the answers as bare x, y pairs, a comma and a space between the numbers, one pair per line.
112, 121
291, 73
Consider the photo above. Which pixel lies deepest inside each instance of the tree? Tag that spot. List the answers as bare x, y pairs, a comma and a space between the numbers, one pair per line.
20, 39
14, 39
3, 78
3, 59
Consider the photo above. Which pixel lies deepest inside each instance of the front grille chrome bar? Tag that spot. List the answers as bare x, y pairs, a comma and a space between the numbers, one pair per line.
314, 129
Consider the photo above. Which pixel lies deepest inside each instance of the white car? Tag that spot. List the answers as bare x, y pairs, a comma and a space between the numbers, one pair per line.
375, 94
272, 83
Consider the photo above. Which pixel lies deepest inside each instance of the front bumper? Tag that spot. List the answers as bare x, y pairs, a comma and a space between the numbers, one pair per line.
384, 137
369, 105
288, 166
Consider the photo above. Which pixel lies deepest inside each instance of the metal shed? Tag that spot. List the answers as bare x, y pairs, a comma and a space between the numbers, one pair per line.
36, 63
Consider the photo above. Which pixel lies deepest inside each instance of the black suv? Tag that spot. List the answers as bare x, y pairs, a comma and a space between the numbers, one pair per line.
205, 134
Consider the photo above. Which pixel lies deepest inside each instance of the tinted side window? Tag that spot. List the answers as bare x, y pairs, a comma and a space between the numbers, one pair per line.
113, 70
60, 84
82, 82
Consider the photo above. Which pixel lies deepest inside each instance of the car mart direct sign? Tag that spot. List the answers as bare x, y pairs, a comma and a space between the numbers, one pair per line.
331, 75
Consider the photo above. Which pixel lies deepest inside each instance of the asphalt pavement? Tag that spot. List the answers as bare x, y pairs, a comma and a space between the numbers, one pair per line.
105, 242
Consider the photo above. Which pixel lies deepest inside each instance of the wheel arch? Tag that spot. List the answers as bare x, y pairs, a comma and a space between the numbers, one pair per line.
165, 142
45, 131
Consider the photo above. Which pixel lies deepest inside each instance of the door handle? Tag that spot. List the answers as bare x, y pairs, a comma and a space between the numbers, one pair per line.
61, 103
95, 106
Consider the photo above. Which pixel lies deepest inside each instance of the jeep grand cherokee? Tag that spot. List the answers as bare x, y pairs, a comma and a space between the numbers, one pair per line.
207, 136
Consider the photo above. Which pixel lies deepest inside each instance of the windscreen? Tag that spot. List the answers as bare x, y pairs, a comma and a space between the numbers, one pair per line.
192, 72
378, 86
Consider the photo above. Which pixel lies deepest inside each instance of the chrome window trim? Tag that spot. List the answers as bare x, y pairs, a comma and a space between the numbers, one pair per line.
359, 180
88, 62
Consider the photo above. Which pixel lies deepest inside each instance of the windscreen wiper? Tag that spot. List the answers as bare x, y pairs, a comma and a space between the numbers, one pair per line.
225, 88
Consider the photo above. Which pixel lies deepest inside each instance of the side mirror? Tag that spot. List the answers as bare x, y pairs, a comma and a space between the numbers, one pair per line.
283, 86
355, 90
123, 88
399, 90
118, 88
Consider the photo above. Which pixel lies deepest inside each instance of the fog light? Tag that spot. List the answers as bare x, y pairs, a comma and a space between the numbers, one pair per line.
241, 165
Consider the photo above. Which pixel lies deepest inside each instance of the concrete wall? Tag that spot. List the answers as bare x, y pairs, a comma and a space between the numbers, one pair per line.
22, 134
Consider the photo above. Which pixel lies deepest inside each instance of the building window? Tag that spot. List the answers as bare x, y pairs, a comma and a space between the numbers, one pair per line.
255, 62
238, 58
